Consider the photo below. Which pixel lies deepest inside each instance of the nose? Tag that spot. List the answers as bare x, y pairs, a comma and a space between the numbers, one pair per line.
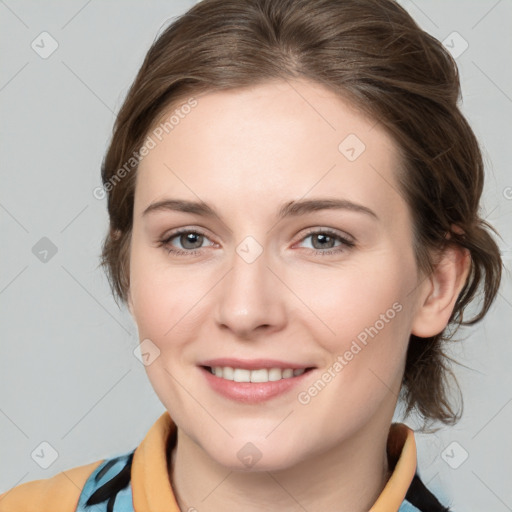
251, 298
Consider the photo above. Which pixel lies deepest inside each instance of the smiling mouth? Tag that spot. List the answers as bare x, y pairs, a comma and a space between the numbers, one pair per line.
257, 375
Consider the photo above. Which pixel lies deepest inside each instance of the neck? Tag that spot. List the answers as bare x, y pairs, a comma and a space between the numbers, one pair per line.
348, 477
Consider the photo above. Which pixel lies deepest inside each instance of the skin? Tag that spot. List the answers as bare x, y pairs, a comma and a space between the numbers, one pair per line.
246, 152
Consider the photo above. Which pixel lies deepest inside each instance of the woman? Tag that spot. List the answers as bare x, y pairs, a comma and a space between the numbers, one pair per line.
293, 196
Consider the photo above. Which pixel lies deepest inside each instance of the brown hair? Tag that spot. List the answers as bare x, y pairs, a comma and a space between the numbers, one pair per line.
368, 51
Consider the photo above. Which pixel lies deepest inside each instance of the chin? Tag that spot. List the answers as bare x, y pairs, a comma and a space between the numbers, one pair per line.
274, 463
246, 456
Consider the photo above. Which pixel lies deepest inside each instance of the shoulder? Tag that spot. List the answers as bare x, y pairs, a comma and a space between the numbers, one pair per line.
109, 488
406, 506
419, 498
59, 493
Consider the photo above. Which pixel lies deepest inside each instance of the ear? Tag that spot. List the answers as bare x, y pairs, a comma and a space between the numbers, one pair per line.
440, 291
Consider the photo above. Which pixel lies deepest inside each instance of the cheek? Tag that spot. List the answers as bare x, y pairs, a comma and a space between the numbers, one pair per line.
163, 295
348, 300
365, 315
163, 300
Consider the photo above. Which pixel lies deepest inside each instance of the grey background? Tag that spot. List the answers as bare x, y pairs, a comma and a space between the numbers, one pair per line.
68, 375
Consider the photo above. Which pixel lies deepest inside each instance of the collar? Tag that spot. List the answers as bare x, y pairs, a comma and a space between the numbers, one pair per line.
152, 489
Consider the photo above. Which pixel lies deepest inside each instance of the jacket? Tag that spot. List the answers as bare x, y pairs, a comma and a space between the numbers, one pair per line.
138, 480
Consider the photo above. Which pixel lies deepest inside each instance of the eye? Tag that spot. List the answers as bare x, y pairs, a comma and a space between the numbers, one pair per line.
191, 241
323, 240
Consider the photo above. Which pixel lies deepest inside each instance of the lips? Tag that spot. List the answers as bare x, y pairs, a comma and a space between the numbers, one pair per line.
254, 364
252, 381
253, 391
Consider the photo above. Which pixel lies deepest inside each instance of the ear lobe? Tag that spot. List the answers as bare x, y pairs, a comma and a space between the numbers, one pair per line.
442, 289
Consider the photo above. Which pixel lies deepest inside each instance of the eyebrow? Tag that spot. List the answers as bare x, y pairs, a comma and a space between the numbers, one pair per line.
290, 209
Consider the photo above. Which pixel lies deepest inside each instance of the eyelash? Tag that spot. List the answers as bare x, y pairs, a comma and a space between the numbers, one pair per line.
345, 242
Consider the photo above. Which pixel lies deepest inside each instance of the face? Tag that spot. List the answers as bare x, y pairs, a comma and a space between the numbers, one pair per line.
304, 261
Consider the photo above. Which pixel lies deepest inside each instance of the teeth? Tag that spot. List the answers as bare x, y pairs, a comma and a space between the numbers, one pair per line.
259, 375
226, 373
239, 375
262, 375
275, 374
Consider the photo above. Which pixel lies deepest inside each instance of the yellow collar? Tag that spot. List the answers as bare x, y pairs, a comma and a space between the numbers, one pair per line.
152, 490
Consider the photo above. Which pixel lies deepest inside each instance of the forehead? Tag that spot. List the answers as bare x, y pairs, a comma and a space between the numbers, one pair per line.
277, 141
